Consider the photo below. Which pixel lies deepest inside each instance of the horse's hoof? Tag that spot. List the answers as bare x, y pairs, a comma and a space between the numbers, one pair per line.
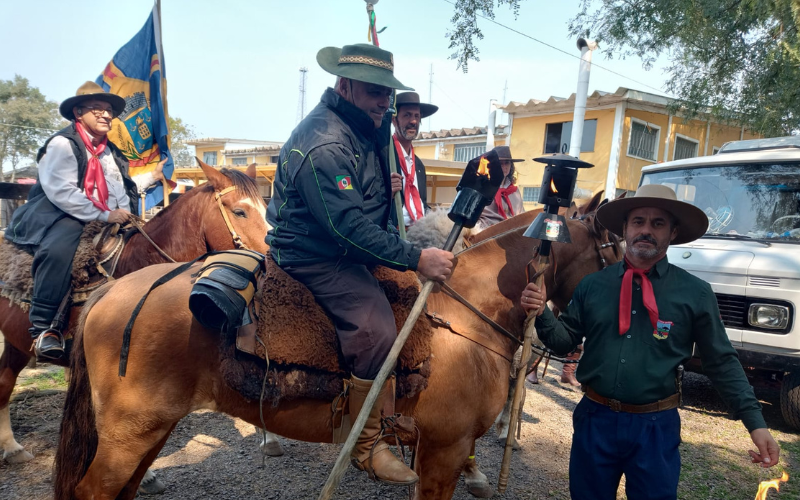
272, 449
515, 446
151, 485
19, 456
479, 488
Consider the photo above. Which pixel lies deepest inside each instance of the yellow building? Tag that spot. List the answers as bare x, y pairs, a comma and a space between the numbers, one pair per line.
623, 132
234, 153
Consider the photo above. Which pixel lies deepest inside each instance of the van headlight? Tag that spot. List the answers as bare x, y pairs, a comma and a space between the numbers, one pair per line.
769, 316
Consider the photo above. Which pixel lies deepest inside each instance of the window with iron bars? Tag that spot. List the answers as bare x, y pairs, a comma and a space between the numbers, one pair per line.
242, 160
466, 152
530, 194
685, 148
643, 140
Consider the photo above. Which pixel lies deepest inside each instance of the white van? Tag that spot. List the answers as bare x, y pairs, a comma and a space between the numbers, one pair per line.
750, 191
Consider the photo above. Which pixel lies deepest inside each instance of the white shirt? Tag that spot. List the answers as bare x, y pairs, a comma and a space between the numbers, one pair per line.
58, 174
409, 163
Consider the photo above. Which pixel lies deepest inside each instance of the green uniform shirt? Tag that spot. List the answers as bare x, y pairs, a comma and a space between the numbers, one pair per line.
639, 367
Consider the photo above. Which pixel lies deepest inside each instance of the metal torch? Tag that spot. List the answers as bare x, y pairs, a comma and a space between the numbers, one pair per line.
558, 185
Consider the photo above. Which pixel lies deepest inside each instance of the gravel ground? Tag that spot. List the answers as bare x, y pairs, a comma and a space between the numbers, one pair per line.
215, 456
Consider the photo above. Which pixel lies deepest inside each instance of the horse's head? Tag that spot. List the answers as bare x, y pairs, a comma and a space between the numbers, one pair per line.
593, 248
235, 215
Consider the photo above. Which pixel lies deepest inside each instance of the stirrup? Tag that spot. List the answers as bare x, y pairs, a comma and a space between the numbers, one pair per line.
49, 353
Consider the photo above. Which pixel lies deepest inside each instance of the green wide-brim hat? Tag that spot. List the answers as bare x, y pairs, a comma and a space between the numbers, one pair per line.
362, 62
89, 91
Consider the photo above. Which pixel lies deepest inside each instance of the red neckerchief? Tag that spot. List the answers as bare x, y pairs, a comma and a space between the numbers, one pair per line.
626, 291
410, 191
94, 177
503, 194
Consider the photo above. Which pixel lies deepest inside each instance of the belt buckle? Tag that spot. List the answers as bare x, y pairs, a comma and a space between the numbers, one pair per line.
614, 405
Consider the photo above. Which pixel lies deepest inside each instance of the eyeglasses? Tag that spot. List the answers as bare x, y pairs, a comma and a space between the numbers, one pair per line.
99, 112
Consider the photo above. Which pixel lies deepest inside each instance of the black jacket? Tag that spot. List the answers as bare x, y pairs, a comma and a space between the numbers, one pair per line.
422, 183
32, 220
331, 195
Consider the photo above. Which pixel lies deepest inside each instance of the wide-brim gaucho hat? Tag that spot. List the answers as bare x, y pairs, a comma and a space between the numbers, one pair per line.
89, 91
405, 98
362, 62
504, 153
692, 222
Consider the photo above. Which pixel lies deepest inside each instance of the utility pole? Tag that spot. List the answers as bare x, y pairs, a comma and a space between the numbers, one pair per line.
301, 103
430, 95
505, 90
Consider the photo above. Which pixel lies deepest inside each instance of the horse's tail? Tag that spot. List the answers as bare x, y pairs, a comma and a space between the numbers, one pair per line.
78, 442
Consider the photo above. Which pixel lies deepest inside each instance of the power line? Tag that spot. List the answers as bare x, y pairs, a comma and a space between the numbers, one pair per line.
455, 102
559, 50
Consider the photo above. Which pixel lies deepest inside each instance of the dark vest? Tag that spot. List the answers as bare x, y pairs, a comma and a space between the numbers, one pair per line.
32, 220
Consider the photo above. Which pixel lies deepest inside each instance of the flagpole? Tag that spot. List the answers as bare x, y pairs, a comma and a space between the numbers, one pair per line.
398, 203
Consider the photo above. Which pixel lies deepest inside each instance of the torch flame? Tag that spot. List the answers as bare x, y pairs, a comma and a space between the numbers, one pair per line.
553, 186
483, 167
765, 486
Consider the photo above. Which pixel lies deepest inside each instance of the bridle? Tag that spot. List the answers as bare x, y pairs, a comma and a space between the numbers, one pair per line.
237, 240
491, 345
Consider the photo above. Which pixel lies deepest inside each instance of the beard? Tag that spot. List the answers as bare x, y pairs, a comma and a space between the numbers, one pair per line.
645, 253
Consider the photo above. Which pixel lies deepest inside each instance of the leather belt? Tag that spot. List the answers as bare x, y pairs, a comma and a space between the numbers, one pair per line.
664, 404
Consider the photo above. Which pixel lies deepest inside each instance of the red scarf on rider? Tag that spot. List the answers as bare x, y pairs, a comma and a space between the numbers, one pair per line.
413, 201
626, 291
94, 177
503, 195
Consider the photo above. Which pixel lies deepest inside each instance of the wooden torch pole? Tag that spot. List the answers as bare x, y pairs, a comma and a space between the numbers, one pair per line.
502, 481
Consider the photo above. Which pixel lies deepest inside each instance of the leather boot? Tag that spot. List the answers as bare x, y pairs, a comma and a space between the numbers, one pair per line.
568, 371
383, 465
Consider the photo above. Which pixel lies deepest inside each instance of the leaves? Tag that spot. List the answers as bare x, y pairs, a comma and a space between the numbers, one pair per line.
180, 133
27, 119
737, 59
465, 27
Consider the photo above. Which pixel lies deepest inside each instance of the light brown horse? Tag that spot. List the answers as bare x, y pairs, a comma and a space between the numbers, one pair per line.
113, 428
188, 228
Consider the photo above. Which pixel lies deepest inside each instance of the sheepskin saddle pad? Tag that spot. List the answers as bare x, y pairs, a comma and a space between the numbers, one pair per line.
98, 241
299, 340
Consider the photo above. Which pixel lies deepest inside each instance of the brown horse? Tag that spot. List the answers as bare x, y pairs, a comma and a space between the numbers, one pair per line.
188, 228
113, 428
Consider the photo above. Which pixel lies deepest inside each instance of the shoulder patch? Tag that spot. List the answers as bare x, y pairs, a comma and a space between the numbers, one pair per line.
343, 182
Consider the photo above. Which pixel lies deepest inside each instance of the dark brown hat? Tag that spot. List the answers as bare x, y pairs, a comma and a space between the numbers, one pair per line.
425, 110
504, 152
89, 91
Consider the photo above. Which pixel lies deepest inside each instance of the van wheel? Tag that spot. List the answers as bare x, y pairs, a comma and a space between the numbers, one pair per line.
790, 399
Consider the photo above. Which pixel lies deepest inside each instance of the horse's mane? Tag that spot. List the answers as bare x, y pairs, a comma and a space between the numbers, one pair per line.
244, 184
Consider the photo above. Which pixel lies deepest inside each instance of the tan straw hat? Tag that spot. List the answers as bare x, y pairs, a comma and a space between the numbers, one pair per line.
692, 222
87, 91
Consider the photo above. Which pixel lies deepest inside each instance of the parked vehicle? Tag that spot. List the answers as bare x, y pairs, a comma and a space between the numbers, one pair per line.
750, 191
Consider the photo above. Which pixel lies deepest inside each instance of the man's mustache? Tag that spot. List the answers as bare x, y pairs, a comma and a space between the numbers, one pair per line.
646, 238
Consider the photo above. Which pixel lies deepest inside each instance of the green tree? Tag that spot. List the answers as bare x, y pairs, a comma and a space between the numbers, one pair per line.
737, 59
27, 118
180, 133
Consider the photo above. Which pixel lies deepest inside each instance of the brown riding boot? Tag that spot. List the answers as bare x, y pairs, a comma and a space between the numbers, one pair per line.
568, 371
382, 465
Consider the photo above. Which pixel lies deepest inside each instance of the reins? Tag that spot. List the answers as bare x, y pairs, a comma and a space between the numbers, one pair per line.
540, 350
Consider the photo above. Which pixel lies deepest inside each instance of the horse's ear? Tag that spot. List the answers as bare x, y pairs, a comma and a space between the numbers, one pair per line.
622, 195
592, 205
251, 171
214, 176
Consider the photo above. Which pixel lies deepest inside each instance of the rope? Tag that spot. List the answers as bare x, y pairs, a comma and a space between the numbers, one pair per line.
139, 224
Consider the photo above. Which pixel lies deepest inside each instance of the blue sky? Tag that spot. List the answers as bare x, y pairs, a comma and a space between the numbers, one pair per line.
232, 66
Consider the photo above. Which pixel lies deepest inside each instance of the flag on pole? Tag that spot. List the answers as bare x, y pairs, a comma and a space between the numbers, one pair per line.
137, 74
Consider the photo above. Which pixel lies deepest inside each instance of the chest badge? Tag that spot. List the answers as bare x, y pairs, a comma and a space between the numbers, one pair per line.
662, 329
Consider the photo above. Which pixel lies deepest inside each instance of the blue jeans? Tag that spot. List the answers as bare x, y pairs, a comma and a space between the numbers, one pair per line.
607, 444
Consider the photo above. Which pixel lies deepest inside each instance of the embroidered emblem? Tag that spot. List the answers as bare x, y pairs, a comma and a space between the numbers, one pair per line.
343, 181
662, 329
